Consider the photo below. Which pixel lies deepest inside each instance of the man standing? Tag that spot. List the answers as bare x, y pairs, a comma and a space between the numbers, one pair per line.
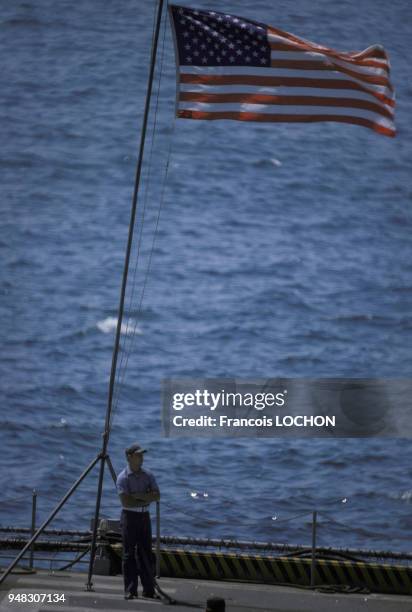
137, 488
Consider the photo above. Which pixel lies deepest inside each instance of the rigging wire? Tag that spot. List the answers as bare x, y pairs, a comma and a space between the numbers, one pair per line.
133, 335
127, 353
145, 198
230, 519
346, 526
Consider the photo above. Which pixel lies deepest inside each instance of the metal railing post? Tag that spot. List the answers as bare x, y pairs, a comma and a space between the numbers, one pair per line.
313, 563
33, 525
48, 520
157, 539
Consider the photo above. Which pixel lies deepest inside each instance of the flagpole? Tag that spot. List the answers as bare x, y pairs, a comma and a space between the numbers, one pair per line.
106, 433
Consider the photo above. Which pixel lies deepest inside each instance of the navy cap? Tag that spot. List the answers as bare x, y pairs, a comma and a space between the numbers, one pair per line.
135, 449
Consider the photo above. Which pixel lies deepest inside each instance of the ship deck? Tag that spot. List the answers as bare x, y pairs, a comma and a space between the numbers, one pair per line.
240, 597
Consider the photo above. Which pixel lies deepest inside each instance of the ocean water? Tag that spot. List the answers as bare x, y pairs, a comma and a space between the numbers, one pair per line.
281, 250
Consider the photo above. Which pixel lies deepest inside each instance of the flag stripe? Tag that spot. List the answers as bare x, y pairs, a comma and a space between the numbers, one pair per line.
282, 90
308, 65
293, 50
366, 57
376, 51
381, 129
362, 68
268, 71
278, 109
284, 100
278, 35
269, 81
284, 73
377, 68
233, 68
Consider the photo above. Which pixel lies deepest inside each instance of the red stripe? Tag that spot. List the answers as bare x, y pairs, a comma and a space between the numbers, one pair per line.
268, 81
296, 39
308, 65
185, 114
304, 49
284, 101
377, 53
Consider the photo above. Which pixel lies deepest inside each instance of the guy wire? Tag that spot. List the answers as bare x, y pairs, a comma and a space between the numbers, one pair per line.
139, 239
128, 344
127, 352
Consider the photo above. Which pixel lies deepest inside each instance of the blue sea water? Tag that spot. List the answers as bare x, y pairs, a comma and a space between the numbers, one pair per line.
282, 250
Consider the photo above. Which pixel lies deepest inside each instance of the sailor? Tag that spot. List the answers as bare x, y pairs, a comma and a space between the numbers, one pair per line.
137, 488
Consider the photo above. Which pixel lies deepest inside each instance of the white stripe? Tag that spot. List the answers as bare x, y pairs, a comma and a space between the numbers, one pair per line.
257, 71
277, 38
372, 70
282, 91
331, 62
279, 73
274, 38
285, 110
299, 55
251, 70
381, 60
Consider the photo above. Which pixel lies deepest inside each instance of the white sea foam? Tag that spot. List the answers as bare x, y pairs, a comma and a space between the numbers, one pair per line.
197, 495
407, 497
109, 325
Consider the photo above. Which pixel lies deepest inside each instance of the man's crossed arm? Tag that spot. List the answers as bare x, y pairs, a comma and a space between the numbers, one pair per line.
135, 500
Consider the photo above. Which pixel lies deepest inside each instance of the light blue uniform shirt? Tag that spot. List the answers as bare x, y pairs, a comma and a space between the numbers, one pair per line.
130, 482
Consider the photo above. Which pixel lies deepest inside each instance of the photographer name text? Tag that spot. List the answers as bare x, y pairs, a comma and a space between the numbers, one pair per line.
216, 401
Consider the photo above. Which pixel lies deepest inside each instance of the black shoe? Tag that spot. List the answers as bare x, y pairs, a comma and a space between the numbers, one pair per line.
150, 595
128, 595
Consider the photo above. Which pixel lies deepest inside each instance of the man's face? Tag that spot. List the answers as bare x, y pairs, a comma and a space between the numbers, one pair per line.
135, 461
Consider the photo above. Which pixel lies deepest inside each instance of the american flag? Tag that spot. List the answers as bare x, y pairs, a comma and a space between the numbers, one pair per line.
234, 68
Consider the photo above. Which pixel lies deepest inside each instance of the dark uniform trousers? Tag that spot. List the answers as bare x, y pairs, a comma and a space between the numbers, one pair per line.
137, 551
